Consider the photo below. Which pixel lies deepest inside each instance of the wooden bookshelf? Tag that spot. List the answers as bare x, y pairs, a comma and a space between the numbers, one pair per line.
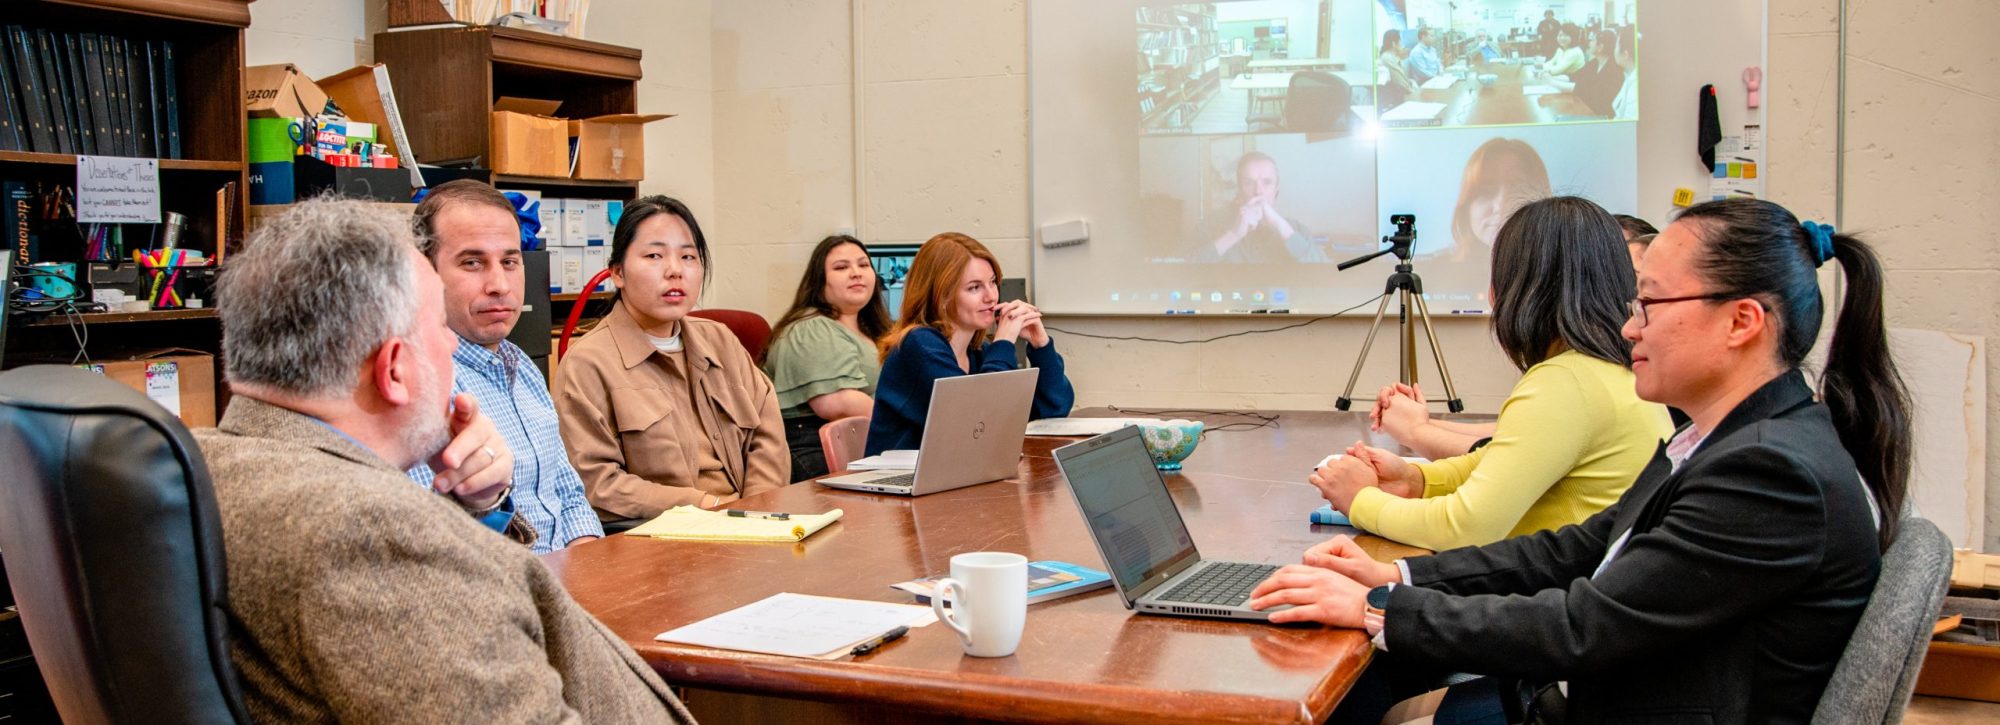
119, 318
448, 78
208, 47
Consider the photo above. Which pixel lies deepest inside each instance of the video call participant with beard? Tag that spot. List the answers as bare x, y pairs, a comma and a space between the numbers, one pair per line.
1250, 230
353, 595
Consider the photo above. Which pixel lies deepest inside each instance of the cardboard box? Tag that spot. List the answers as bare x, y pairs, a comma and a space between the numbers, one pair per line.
280, 91
1956, 669
612, 148
528, 140
365, 94
182, 381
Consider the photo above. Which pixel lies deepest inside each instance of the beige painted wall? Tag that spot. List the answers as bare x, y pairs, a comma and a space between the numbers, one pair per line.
1923, 157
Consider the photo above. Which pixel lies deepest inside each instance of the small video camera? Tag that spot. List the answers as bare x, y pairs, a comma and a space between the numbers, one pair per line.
1406, 227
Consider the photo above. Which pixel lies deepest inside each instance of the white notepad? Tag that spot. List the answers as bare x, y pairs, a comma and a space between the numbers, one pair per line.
898, 460
799, 625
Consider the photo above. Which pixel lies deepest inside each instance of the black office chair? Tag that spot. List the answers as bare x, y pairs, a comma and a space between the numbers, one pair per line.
1315, 102
114, 550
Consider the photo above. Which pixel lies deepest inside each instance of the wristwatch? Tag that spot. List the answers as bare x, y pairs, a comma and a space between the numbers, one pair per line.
1374, 607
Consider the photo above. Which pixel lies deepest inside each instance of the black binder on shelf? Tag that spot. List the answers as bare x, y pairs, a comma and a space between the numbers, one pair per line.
152, 106
13, 136
128, 143
79, 95
52, 91
171, 84
100, 108
142, 97
34, 105
141, 106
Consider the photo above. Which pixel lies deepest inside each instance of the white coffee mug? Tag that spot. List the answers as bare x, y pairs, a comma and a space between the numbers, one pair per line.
989, 601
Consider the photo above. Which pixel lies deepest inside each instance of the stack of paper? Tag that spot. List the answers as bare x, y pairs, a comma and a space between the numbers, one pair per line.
799, 625
897, 460
688, 523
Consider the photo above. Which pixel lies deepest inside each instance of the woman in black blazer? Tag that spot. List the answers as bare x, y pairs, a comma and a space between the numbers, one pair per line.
1724, 585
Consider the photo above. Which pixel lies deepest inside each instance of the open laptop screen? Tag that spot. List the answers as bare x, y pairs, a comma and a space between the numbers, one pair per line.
1127, 507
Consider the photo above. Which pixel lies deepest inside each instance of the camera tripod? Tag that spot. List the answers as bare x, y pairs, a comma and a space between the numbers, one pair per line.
1407, 287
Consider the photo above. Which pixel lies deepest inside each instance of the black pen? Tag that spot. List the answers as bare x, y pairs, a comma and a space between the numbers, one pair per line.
876, 643
741, 514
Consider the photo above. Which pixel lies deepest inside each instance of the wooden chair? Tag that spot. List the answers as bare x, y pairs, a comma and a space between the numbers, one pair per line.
844, 441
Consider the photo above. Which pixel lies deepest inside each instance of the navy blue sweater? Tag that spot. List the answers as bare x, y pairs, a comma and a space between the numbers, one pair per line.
903, 394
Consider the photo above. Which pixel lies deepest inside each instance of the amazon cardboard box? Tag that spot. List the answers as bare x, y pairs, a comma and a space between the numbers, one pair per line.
182, 381
528, 140
612, 148
280, 91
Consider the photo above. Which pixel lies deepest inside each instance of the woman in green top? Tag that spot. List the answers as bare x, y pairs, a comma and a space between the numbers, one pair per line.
822, 358
1572, 435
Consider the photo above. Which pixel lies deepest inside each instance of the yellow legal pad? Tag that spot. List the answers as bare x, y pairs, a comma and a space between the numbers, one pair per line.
689, 523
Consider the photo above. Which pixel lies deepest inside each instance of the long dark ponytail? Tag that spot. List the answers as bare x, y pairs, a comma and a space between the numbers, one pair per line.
1757, 249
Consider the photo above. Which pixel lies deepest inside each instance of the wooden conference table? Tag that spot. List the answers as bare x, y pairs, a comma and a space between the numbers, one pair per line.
1506, 102
1082, 659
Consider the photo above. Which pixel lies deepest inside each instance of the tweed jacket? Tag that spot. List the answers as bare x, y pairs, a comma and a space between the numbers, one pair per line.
354, 596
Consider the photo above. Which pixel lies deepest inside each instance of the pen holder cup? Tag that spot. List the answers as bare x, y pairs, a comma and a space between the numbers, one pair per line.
1171, 442
988, 593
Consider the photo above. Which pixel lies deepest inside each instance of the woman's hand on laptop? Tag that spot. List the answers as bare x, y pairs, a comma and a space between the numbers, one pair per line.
1341, 555
1316, 595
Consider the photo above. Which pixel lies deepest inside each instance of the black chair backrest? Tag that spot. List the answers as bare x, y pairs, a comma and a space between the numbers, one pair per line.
114, 550
1317, 102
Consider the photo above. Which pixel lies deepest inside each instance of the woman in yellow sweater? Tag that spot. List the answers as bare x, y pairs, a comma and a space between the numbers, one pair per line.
1571, 436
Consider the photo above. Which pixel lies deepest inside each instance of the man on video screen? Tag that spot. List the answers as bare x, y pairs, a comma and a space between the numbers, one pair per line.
1250, 229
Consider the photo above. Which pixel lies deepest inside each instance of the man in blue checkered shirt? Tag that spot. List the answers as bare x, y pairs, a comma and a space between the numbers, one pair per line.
471, 235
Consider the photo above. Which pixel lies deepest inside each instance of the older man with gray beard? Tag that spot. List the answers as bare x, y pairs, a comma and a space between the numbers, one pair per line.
353, 595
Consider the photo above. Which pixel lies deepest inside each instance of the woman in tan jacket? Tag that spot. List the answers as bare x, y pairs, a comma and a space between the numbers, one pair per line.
660, 409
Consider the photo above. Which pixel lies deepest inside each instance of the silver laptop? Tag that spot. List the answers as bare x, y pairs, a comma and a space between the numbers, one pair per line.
1138, 530
972, 435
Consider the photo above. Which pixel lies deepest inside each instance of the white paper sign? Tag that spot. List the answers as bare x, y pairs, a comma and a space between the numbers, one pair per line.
117, 190
163, 385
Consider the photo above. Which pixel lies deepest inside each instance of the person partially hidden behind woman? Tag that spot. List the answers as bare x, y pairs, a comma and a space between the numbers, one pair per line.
660, 409
950, 300
1571, 436
1727, 582
822, 357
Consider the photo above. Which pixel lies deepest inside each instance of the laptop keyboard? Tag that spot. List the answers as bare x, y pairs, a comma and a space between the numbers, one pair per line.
900, 479
1222, 583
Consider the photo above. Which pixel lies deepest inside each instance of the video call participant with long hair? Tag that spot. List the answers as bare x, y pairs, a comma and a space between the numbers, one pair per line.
822, 358
1726, 583
1571, 435
660, 409
950, 301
